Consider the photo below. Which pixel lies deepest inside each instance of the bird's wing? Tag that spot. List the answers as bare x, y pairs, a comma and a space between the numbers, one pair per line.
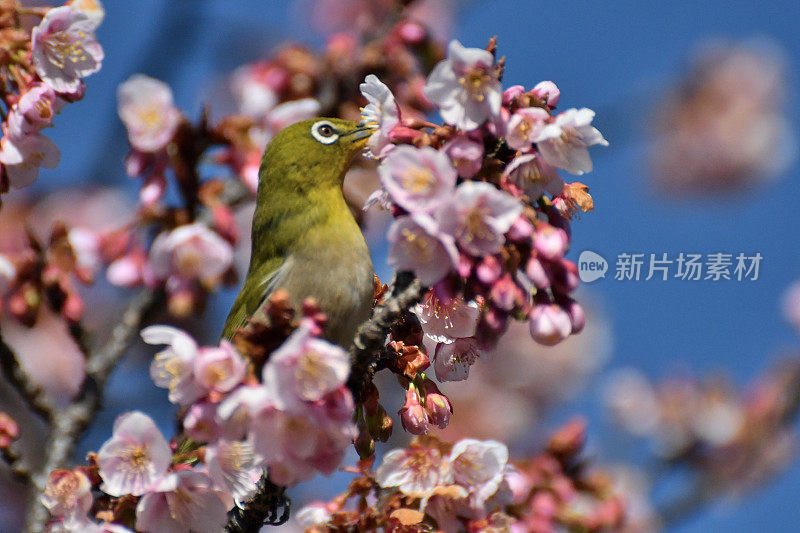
255, 292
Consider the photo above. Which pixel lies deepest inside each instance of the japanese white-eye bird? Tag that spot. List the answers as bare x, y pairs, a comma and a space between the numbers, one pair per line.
305, 239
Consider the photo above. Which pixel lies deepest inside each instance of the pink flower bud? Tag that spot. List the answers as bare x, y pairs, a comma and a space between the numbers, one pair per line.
521, 230
73, 307
537, 273
512, 93
412, 414
577, 316
550, 242
437, 406
549, 324
505, 294
565, 276
488, 270
547, 91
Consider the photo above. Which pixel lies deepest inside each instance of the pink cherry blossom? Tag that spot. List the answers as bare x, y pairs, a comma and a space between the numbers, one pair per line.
478, 466
417, 179
306, 368
219, 369
444, 320
34, 110
184, 501
190, 252
549, 324
452, 361
234, 467
525, 126
381, 112
128, 270
535, 176
466, 155
68, 494
22, 157
478, 216
550, 242
563, 143
65, 49
173, 368
135, 457
418, 246
146, 107
465, 87
415, 471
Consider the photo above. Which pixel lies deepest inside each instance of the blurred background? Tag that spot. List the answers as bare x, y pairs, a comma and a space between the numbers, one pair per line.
699, 103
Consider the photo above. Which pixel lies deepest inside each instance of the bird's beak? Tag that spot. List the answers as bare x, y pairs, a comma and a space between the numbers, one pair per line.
361, 133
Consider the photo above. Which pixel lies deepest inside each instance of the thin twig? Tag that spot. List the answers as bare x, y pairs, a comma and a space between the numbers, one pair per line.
269, 505
69, 424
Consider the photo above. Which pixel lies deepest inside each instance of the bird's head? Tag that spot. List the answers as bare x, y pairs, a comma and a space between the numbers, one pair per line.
313, 153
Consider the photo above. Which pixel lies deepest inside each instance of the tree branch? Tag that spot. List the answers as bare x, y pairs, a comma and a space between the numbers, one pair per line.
34, 396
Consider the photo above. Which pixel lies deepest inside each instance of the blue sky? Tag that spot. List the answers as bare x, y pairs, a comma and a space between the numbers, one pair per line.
610, 56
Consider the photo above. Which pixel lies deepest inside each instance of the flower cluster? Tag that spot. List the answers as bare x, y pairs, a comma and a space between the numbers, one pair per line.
723, 125
45, 67
33, 274
481, 214
295, 422
472, 486
733, 439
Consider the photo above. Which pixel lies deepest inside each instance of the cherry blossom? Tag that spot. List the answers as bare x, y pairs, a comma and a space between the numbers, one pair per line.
478, 216
34, 110
417, 245
452, 361
535, 176
219, 369
306, 368
173, 368
415, 471
525, 126
65, 49
22, 157
465, 87
146, 107
68, 494
446, 319
563, 143
478, 466
190, 252
184, 500
234, 467
381, 112
417, 179
135, 458
466, 155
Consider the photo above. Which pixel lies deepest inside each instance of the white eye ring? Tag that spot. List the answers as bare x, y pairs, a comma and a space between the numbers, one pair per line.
324, 132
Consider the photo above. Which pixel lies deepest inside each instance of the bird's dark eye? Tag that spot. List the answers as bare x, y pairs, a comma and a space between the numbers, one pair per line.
324, 132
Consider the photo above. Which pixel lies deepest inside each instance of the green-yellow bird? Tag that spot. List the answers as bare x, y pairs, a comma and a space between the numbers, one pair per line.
305, 239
